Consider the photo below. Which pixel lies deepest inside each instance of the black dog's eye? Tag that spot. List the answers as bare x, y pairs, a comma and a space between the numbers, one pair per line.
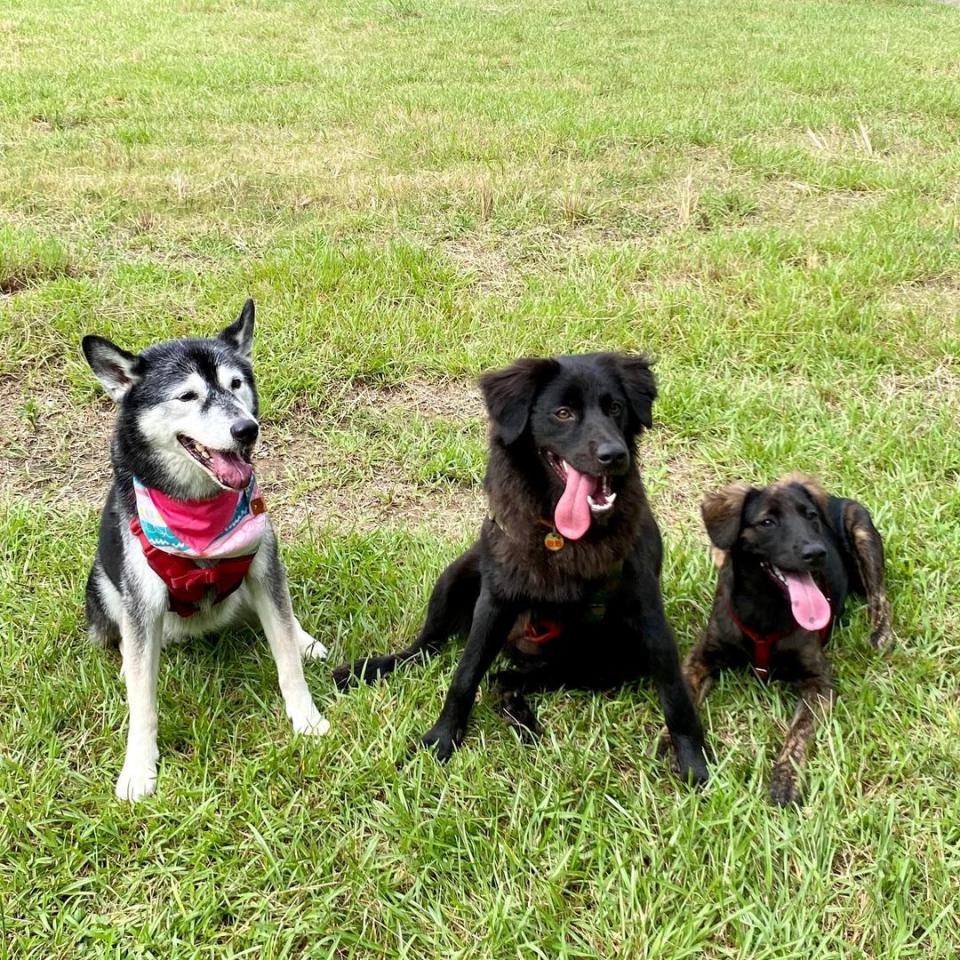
188, 396
564, 413
235, 383
768, 522
813, 515
616, 408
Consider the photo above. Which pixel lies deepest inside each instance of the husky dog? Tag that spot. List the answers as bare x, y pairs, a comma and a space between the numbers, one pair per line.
186, 547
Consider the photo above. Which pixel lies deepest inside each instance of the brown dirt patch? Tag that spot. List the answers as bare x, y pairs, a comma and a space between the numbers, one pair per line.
57, 454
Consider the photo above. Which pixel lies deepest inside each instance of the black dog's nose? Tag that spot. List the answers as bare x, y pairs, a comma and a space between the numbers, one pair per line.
245, 431
612, 454
813, 552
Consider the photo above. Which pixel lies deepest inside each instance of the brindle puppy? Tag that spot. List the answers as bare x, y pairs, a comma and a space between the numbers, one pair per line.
566, 572
788, 554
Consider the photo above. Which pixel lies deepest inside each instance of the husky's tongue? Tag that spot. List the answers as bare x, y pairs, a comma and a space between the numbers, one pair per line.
230, 469
811, 609
572, 515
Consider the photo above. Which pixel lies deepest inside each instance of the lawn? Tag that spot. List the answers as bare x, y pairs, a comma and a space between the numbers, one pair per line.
761, 195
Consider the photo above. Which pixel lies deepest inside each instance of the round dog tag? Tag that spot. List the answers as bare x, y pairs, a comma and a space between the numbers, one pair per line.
553, 541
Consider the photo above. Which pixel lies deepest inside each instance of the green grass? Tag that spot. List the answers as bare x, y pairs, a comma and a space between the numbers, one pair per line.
761, 195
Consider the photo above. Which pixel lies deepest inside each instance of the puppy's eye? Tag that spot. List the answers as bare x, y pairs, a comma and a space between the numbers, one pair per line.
768, 522
616, 408
813, 515
564, 413
235, 383
188, 396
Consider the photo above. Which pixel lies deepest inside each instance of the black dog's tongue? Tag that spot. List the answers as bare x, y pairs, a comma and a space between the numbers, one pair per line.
231, 469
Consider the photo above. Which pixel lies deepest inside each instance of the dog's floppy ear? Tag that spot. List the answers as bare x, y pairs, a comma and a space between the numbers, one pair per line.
114, 367
239, 335
641, 387
721, 511
509, 395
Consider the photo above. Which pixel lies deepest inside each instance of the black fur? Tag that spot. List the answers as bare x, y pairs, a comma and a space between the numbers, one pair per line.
795, 526
604, 588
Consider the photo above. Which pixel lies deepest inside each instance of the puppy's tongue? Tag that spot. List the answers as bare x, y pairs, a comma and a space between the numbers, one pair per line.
230, 469
572, 515
811, 608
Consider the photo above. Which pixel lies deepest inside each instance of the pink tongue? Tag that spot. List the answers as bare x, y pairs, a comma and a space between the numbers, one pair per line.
231, 469
572, 516
810, 607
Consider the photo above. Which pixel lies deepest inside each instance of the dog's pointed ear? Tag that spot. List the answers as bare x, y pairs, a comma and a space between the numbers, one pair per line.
509, 395
722, 511
641, 387
239, 335
114, 367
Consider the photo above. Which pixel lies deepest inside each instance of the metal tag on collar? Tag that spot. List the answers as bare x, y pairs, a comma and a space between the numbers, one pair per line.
553, 541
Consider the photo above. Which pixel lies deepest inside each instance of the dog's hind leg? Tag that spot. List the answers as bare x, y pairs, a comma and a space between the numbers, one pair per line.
509, 688
310, 649
816, 699
102, 609
868, 550
449, 612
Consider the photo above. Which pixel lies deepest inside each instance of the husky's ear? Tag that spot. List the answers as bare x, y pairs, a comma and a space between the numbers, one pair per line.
641, 387
722, 511
509, 395
239, 335
116, 369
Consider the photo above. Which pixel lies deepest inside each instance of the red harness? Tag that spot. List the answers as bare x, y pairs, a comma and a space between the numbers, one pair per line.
763, 643
187, 582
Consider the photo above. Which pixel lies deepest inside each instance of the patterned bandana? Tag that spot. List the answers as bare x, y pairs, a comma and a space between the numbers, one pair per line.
230, 524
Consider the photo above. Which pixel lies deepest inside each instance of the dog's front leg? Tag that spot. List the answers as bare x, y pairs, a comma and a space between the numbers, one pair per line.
679, 711
816, 699
141, 633
492, 620
271, 602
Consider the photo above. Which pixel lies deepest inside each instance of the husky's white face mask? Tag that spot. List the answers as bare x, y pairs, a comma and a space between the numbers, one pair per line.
188, 409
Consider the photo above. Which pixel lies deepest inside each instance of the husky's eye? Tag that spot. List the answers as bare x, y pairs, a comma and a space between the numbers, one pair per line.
235, 383
564, 413
616, 408
188, 396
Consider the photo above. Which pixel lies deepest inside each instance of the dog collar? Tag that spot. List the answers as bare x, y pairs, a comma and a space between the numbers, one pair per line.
763, 643
199, 545
553, 540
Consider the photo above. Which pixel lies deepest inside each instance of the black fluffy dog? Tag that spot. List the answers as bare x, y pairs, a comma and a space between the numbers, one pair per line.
566, 572
789, 555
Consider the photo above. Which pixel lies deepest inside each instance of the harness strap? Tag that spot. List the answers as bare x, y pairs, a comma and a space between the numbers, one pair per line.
187, 582
763, 643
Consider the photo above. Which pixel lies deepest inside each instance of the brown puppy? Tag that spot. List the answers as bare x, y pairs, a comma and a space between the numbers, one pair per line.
788, 555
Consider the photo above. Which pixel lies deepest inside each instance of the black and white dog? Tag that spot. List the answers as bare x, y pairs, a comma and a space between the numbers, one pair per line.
186, 547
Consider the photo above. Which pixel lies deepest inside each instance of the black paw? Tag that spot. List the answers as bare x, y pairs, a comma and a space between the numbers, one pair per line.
442, 741
518, 713
783, 787
344, 677
691, 764
882, 638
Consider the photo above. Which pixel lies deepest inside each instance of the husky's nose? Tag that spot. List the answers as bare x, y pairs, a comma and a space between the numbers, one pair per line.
613, 455
245, 431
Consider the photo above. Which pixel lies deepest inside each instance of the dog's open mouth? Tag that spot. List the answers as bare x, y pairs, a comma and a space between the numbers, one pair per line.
585, 496
230, 468
811, 609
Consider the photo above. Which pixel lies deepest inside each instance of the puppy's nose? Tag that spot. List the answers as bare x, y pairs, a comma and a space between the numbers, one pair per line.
612, 455
245, 431
813, 552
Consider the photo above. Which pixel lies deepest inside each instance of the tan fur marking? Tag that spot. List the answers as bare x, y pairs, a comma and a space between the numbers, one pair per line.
809, 483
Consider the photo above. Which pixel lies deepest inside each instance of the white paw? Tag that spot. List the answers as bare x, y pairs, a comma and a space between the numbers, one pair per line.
310, 649
308, 721
136, 782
